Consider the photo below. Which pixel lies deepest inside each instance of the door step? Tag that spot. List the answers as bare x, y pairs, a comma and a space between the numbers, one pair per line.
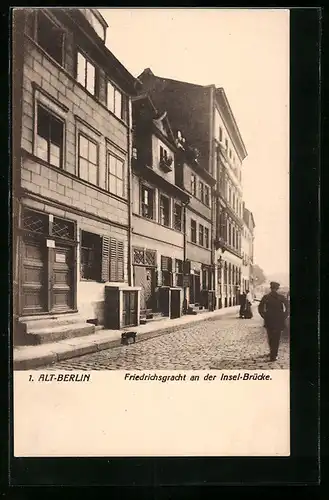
35, 331
57, 333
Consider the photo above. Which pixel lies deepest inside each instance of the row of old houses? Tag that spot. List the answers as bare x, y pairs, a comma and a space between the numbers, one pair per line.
127, 194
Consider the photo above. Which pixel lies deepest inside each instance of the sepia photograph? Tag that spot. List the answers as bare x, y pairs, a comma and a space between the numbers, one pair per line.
150, 202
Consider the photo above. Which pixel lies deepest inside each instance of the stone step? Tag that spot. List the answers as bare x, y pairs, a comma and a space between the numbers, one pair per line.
58, 332
33, 324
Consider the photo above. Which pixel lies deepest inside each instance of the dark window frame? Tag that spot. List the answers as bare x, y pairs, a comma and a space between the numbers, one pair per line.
193, 231
89, 139
178, 217
94, 255
201, 235
109, 174
147, 209
57, 28
87, 61
53, 117
123, 114
162, 213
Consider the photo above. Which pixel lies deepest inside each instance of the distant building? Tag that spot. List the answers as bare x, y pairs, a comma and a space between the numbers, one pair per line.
158, 213
248, 282
204, 117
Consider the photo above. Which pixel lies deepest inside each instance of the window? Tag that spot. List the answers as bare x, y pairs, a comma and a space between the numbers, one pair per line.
206, 237
193, 231
88, 159
147, 202
50, 37
115, 175
220, 134
193, 184
201, 234
178, 217
163, 154
179, 272
116, 101
90, 259
201, 191
166, 269
86, 74
164, 210
226, 144
207, 195
230, 153
49, 139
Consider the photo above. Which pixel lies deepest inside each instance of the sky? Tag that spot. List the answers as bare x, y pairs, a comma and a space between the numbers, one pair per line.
246, 51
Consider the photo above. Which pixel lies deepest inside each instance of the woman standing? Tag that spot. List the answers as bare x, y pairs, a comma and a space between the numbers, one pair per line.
247, 311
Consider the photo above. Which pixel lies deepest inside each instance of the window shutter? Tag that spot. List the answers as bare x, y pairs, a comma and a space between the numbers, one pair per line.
113, 259
120, 257
170, 264
105, 259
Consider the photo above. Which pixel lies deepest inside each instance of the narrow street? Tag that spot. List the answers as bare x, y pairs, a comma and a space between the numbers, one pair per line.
228, 343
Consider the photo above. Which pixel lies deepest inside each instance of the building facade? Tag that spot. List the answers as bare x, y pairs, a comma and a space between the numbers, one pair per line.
248, 237
204, 116
158, 213
198, 223
71, 164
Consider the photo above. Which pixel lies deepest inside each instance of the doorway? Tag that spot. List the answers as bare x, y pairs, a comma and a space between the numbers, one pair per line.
194, 289
47, 277
144, 277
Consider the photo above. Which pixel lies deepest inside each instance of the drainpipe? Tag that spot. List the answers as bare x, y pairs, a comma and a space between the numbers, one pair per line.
184, 256
130, 198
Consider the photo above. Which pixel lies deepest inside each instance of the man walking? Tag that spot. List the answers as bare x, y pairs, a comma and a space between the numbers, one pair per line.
274, 309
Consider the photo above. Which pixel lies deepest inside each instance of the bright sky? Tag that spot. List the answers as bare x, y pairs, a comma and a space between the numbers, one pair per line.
246, 51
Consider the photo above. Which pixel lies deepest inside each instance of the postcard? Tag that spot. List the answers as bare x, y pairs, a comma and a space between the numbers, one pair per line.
151, 232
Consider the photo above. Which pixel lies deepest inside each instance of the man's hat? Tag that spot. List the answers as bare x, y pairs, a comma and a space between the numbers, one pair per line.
275, 284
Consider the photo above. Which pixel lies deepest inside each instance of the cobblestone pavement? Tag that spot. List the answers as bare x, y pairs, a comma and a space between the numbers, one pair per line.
228, 343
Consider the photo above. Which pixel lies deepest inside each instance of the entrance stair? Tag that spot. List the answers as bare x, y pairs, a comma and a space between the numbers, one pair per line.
40, 330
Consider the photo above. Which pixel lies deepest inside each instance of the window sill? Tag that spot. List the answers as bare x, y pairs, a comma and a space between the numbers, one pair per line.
74, 177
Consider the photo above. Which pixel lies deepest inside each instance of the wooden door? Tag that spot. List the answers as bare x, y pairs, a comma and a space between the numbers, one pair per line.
129, 308
144, 277
61, 289
34, 273
150, 288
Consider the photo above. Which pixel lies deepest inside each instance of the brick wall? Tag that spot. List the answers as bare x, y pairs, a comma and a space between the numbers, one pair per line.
64, 90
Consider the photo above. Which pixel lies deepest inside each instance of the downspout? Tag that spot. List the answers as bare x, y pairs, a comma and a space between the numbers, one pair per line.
184, 257
130, 198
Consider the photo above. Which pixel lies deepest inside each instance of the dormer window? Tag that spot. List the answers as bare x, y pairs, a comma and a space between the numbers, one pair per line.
165, 160
97, 25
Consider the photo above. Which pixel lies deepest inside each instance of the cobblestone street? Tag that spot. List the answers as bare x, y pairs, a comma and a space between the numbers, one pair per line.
228, 343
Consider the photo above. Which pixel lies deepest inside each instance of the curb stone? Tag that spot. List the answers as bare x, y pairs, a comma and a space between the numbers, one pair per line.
61, 352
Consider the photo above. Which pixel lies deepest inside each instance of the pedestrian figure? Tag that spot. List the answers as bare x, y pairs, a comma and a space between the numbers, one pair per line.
247, 309
274, 309
243, 297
